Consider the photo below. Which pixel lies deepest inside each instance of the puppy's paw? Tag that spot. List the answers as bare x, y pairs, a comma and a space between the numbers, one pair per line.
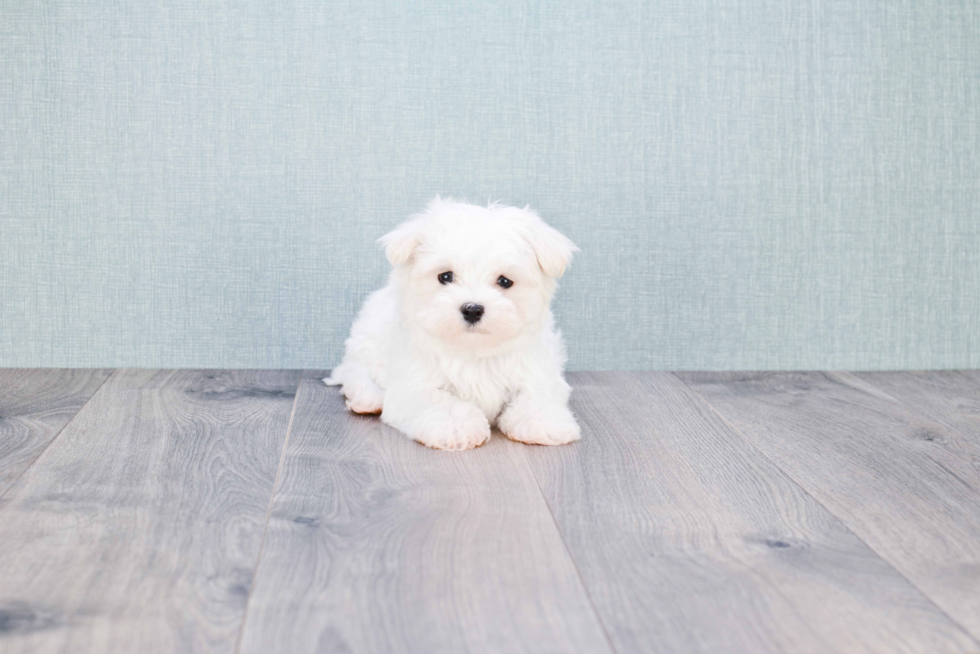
462, 427
544, 425
364, 398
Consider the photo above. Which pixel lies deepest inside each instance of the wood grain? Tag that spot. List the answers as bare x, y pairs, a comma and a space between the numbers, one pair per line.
690, 540
377, 544
35, 405
884, 470
948, 397
139, 528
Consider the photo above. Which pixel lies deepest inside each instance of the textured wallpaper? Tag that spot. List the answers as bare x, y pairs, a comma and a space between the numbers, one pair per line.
753, 183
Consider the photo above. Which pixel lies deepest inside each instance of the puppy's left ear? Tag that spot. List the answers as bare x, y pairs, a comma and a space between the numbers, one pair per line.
552, 248
400, 242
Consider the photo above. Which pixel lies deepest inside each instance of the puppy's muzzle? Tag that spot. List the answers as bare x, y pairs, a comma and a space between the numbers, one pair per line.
472, 312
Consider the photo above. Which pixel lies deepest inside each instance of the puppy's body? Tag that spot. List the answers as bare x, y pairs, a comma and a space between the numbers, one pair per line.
462, 337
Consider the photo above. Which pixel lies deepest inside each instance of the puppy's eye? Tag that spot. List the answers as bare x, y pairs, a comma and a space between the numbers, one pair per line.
503, 282
446, 278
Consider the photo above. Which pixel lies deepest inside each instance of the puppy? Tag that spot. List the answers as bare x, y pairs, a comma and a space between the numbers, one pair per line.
462, 337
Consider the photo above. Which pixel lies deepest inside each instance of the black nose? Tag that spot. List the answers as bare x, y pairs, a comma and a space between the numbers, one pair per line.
472, 312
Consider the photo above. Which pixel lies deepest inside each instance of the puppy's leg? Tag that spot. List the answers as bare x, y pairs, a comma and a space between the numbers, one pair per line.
362, 373
539, 414
435, 418
363, 395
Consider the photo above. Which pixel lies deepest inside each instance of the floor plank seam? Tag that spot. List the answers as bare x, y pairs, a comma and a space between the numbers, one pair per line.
844, 524
578, 573
845, 378
56, 436
268, 515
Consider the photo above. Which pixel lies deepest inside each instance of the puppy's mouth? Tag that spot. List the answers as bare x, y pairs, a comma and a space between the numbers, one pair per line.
475, 329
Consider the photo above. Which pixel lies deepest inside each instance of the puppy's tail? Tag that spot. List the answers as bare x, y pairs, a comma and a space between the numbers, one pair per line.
336, 377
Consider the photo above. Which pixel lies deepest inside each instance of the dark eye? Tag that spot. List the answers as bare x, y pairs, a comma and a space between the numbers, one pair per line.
446, 277
503, 282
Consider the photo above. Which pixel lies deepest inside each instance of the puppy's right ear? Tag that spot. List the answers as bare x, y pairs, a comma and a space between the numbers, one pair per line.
400, 243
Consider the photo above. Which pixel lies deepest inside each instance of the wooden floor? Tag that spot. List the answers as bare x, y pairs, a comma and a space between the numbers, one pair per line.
247, 511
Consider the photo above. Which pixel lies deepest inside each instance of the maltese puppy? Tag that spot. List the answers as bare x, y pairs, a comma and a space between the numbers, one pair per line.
462, 337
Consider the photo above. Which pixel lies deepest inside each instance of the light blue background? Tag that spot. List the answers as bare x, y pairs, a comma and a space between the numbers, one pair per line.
753, 183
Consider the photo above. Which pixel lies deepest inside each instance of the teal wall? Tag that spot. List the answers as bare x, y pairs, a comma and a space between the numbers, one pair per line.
753, 183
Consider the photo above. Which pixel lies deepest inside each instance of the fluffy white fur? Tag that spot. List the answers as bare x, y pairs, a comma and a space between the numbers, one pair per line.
412, 357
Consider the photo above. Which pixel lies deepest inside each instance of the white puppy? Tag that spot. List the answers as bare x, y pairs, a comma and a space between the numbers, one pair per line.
462, 337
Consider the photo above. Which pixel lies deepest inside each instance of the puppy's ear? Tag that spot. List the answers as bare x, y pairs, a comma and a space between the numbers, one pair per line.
552, 248
400, 242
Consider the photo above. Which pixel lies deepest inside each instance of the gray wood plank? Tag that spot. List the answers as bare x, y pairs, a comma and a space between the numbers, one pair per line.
35, 405
949, 397
878, 466
377, 544
690, 540
139, 528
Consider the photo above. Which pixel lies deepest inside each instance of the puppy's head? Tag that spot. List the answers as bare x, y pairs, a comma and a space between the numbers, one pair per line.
476, 277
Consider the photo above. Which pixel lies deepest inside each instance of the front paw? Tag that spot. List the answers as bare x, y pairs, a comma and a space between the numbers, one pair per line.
461, 427
539, 425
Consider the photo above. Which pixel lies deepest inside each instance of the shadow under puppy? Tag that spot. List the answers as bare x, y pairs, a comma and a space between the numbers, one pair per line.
462, 337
